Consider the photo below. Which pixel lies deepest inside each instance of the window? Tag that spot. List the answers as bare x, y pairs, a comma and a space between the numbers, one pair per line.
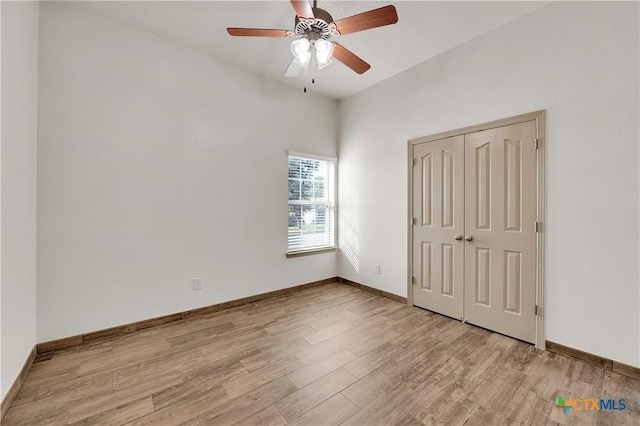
311, 203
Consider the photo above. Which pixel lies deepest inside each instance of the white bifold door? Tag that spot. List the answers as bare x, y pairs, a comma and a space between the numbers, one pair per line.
474, 225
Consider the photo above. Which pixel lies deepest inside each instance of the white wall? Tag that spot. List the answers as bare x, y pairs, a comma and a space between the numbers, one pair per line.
579, 61
18, 189
158, 164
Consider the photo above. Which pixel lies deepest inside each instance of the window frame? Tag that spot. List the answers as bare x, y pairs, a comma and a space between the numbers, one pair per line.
331, 204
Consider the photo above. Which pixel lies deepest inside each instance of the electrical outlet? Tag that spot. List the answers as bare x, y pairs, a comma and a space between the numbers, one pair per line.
376, 268
197, 283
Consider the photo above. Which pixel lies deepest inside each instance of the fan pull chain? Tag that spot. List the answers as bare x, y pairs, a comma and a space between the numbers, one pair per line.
313, 69
313, 72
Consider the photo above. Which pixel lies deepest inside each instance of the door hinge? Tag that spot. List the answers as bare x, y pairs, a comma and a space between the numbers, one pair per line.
535, 310
415, 161
538, 227
537, 143
414, 220
413, 280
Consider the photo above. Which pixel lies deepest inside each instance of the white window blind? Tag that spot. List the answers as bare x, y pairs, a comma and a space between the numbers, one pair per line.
311, 202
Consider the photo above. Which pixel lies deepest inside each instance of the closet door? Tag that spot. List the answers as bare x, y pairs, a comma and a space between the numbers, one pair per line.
438, 216
500, 215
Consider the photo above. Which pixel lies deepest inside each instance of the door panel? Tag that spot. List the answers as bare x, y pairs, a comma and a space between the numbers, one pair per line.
482, 183
500, 195
482, 276
438, 210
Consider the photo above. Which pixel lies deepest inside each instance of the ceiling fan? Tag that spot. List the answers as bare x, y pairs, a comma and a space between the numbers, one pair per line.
314, 27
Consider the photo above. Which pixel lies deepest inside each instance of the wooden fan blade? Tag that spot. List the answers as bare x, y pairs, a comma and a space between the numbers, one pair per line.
349, 58
364, 21
256, 32
302, 8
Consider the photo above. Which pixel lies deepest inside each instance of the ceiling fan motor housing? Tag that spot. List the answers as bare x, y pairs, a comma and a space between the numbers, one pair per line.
322, 26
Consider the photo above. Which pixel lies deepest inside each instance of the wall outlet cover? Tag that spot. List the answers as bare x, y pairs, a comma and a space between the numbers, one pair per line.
197, 283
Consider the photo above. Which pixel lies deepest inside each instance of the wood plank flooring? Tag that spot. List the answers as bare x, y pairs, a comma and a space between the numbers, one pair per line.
331, 354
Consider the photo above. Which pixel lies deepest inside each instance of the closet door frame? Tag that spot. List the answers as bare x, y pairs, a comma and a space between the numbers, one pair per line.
539, 118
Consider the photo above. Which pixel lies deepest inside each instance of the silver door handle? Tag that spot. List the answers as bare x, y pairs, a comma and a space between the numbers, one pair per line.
468, 237
457, 237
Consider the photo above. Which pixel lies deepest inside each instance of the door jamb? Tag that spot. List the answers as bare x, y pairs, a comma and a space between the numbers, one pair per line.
539, 118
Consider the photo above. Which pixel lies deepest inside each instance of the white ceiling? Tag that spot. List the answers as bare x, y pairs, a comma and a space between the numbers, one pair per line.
424, 29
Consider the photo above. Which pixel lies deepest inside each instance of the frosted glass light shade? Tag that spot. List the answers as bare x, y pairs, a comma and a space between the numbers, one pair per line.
301, 49
324, 50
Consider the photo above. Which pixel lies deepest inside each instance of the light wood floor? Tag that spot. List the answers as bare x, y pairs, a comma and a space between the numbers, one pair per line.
327, 355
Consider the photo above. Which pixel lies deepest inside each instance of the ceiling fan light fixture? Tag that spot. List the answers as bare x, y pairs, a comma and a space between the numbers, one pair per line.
324, 51
301, 49
314, 26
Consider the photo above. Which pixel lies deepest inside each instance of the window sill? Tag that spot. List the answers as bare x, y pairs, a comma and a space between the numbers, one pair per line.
310, 252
